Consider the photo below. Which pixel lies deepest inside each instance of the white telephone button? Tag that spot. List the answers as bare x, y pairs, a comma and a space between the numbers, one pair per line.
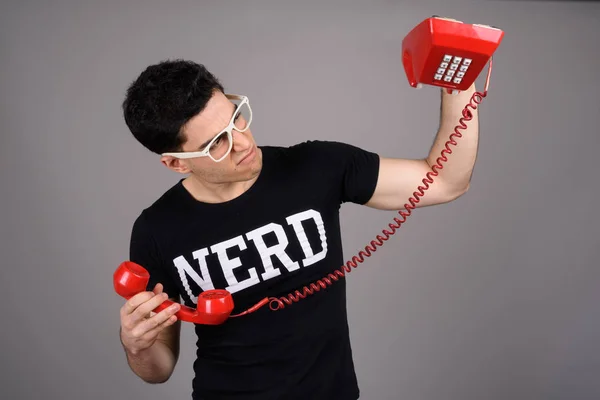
437, 77
467, 61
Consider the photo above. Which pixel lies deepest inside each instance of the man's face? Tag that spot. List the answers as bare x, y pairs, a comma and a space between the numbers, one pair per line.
244, 161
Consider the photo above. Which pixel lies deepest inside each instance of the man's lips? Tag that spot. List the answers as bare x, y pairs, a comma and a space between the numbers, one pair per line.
250, 154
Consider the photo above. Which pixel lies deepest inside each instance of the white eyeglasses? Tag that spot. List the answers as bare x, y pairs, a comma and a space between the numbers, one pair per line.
220, 146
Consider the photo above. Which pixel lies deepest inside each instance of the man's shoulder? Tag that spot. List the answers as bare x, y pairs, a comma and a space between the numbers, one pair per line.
306, 145
157, 208
313, 147
319, 153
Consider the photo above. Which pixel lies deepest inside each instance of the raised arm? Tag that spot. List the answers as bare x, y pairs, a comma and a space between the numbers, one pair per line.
400, 178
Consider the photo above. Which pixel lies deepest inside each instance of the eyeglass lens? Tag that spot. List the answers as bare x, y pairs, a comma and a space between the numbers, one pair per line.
221, 144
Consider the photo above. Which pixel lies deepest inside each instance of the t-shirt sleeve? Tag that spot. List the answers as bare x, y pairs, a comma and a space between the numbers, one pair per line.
144, 251
356, 170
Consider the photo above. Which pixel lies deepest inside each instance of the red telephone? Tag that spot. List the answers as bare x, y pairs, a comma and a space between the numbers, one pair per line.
439, 52
448, 53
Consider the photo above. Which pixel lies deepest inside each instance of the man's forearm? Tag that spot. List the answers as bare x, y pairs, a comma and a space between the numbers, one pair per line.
153, 365
458, 169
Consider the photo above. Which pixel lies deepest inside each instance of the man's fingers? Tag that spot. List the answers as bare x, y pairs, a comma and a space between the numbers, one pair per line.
158, 322
135, 301
140, 298
144, 309
168, 322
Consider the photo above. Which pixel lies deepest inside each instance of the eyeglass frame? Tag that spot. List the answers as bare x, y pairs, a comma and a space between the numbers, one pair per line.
228, 129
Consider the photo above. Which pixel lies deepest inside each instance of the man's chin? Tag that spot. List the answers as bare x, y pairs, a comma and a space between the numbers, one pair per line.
254, 172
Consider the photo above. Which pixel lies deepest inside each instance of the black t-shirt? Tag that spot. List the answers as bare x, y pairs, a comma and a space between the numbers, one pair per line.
279, 236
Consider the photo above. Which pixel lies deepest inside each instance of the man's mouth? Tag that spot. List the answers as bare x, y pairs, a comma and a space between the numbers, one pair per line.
249, 155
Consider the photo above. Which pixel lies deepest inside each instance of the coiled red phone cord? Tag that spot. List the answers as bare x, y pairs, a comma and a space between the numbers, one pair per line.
277, 303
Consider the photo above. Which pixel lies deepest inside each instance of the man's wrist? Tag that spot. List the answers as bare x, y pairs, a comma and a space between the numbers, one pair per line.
446, 91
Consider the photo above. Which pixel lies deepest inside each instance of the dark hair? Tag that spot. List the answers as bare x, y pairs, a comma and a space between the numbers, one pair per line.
163, 99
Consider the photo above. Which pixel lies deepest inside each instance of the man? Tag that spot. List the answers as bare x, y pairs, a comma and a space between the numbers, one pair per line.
258, 221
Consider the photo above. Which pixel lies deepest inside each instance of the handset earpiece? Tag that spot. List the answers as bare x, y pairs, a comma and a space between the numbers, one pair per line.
214, 306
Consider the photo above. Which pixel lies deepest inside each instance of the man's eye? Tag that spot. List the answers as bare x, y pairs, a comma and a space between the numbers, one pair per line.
216, 142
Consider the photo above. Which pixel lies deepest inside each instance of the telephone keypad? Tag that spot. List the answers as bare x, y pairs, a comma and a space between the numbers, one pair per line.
452, 68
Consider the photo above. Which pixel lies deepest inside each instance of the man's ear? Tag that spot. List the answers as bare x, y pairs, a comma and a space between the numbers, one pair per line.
175, 164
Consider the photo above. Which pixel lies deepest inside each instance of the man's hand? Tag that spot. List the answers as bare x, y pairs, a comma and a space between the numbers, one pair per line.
140, 327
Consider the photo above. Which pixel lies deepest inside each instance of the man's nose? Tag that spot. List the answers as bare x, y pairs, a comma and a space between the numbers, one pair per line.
240, 141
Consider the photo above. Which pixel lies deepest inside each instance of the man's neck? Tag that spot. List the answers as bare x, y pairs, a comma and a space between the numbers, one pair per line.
207, 192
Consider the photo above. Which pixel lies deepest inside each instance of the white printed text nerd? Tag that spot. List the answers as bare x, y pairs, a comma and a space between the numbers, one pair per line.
256, 237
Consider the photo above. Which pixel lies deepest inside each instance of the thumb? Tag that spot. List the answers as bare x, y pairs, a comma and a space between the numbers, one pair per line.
158, 288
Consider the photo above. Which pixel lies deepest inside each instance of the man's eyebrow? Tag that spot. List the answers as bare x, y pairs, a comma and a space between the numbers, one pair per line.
203, 145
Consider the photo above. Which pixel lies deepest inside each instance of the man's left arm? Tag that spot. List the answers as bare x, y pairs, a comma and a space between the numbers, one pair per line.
400, 178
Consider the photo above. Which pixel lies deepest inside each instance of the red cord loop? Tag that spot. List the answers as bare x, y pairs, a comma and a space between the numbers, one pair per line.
279, 303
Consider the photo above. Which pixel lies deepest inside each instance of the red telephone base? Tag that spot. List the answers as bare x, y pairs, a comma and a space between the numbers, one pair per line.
214, 306
448, 53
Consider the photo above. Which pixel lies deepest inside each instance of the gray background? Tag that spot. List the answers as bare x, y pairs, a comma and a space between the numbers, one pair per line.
494, 296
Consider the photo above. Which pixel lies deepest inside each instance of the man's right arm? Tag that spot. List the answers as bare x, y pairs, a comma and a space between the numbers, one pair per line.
151, 341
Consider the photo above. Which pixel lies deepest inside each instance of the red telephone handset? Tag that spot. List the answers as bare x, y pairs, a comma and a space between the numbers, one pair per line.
448, 53
214, 306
